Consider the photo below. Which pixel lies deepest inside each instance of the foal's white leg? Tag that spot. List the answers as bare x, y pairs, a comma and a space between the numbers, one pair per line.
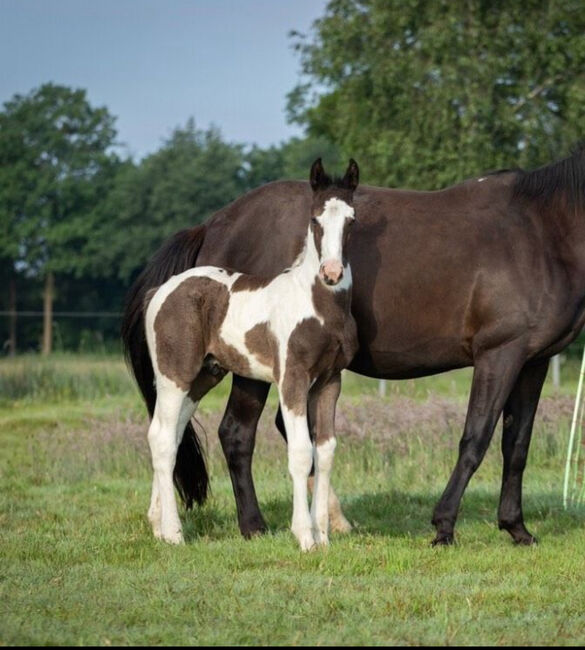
325, 509
324, 452
154, 511
170, 412
337, 521
300, 458
154, 508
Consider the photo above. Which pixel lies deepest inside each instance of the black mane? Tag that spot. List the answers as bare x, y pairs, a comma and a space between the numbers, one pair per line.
564, 178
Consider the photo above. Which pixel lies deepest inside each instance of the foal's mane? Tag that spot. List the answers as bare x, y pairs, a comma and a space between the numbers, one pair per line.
564, 178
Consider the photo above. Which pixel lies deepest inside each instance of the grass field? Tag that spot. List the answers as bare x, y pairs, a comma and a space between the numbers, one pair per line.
79, 565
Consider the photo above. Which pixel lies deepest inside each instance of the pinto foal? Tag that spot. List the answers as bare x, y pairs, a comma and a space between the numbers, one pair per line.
294, 329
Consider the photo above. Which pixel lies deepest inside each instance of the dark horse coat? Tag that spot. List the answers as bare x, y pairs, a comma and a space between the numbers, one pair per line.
489, 273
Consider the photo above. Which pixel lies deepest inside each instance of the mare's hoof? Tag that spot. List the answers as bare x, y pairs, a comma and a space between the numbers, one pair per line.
248, 532
525, 540
443, 539
519, 534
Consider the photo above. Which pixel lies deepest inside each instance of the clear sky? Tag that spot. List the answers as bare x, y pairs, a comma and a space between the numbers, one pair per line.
155, 63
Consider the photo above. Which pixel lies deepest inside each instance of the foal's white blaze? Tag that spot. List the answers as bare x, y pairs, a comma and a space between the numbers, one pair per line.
332, 220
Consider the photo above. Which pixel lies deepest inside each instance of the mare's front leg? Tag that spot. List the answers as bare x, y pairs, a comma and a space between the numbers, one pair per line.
237, 433
172, 412
518, 420
322, 402
494, 375
293, 394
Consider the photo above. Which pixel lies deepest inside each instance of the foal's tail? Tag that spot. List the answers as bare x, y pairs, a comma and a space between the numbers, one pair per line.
176, 255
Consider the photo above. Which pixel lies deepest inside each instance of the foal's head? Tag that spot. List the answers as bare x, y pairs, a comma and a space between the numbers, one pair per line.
332, 216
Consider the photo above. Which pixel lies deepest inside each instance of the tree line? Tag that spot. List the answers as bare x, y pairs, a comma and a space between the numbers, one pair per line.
79, 221
423, 93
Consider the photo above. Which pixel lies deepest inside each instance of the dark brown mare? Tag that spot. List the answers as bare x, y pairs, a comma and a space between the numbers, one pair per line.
488, 273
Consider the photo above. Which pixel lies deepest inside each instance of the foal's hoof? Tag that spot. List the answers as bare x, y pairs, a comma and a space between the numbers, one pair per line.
306, 541
443, 539
172, 538
321, 538
339, 524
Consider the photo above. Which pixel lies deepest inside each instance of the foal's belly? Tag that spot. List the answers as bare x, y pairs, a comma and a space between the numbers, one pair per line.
249, 365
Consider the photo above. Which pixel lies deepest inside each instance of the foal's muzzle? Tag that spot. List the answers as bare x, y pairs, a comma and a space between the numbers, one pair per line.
331, 272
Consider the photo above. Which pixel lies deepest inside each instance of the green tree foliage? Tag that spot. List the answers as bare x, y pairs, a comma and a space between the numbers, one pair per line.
55, 163
193, 174
290, 160
428, 92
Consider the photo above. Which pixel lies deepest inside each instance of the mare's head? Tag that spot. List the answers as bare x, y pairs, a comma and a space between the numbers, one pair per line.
332, 216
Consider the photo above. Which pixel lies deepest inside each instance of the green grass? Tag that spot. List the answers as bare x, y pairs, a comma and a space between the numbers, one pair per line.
79, 565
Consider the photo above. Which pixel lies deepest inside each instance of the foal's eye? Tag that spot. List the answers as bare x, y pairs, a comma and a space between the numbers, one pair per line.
314, 221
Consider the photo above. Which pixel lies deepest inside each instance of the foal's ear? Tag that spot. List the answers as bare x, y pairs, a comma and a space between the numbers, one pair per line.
318, 177
352, 176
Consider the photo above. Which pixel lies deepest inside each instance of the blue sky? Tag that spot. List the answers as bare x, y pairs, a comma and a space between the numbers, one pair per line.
155, 63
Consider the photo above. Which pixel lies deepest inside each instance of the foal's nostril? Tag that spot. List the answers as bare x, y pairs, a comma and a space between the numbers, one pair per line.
331, 274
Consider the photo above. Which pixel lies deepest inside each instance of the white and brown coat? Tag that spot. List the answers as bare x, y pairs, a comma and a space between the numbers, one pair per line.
294, 330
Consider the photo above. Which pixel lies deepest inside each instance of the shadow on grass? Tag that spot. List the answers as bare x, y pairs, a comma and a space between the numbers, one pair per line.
396, 514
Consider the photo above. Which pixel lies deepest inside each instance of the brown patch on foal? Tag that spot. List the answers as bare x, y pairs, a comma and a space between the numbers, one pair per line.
305, 356
262, 343
186, 327
317, 229
316, 350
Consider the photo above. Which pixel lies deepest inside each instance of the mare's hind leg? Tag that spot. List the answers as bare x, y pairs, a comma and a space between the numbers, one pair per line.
237, 433
171, 414
337, 521
322, 416
494, 376
518, 420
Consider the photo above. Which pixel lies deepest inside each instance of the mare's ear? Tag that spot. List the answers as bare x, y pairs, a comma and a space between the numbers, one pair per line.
318, 177
352, 176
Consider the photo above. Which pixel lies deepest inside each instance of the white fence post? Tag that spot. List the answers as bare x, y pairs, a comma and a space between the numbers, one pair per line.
382, 387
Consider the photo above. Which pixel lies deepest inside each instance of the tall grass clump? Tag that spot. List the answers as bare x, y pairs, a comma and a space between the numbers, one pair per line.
63, 377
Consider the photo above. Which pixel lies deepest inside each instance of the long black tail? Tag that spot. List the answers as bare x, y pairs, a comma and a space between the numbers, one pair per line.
176, 255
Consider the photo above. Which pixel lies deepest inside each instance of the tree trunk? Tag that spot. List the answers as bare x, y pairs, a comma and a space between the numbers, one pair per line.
12, 316
48, 313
